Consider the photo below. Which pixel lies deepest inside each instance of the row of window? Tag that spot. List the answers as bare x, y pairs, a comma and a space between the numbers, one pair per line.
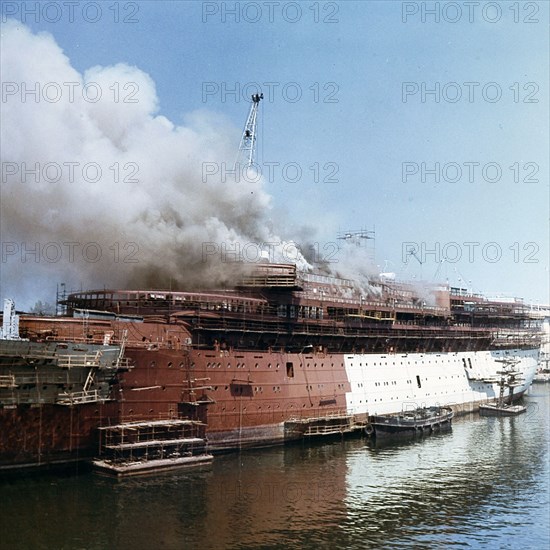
300, 312
244, 365
429, 362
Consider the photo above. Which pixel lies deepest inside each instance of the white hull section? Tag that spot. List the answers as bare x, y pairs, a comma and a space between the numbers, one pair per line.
390, 383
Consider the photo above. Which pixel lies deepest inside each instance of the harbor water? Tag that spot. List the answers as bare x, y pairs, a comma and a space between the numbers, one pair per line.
485, 484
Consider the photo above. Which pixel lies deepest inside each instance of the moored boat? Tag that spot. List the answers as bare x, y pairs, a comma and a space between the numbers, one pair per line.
494, 409
510, 378
418, 422
542, 375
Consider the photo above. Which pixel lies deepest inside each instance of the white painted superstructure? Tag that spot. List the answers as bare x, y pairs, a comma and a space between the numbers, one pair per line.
390, 383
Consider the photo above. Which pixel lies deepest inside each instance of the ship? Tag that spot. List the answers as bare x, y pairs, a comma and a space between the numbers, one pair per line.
281, 356
278, 354
285, 346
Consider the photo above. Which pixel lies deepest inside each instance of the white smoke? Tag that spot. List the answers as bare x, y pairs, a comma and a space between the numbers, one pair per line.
150, 219
355, 262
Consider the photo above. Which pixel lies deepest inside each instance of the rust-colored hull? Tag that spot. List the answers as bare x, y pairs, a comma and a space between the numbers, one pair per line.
43, 436
250, 396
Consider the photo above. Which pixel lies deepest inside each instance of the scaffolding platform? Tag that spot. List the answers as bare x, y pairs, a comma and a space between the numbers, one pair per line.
322, 426
137, 448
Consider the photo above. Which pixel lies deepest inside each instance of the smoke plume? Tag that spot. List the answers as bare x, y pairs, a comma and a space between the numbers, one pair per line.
100, 190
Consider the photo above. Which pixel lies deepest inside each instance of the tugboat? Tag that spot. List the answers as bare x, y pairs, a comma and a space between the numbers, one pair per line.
421, 421
509, 378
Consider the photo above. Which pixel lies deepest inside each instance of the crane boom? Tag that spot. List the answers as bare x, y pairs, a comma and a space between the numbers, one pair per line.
247, 147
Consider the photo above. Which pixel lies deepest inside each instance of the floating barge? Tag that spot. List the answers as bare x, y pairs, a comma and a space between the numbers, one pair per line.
137, 448
422, 421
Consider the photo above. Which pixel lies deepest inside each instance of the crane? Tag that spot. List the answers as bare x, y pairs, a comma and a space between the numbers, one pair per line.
247, 147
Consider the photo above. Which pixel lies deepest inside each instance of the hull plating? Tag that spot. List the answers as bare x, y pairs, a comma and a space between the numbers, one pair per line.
246, 397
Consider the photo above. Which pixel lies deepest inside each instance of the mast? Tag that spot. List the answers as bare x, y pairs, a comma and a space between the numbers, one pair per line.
247, 147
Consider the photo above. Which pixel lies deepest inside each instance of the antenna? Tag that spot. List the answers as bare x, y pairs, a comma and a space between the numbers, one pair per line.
413, 254
361, 238
247, 147
356, 235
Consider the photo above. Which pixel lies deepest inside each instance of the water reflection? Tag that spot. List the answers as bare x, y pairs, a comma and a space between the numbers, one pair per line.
484, 483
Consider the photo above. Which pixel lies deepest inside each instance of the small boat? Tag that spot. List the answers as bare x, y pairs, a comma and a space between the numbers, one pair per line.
502, 406
542, 375
494, 409
421, 421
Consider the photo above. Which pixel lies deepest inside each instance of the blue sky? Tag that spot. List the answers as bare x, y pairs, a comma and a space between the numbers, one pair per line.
360, 61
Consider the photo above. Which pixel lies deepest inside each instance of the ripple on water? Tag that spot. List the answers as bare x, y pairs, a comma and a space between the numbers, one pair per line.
484, 484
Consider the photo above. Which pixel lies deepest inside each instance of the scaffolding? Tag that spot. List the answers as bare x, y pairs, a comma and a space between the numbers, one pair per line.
135, 448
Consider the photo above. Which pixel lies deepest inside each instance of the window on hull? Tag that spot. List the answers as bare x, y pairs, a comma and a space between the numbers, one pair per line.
290, 369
